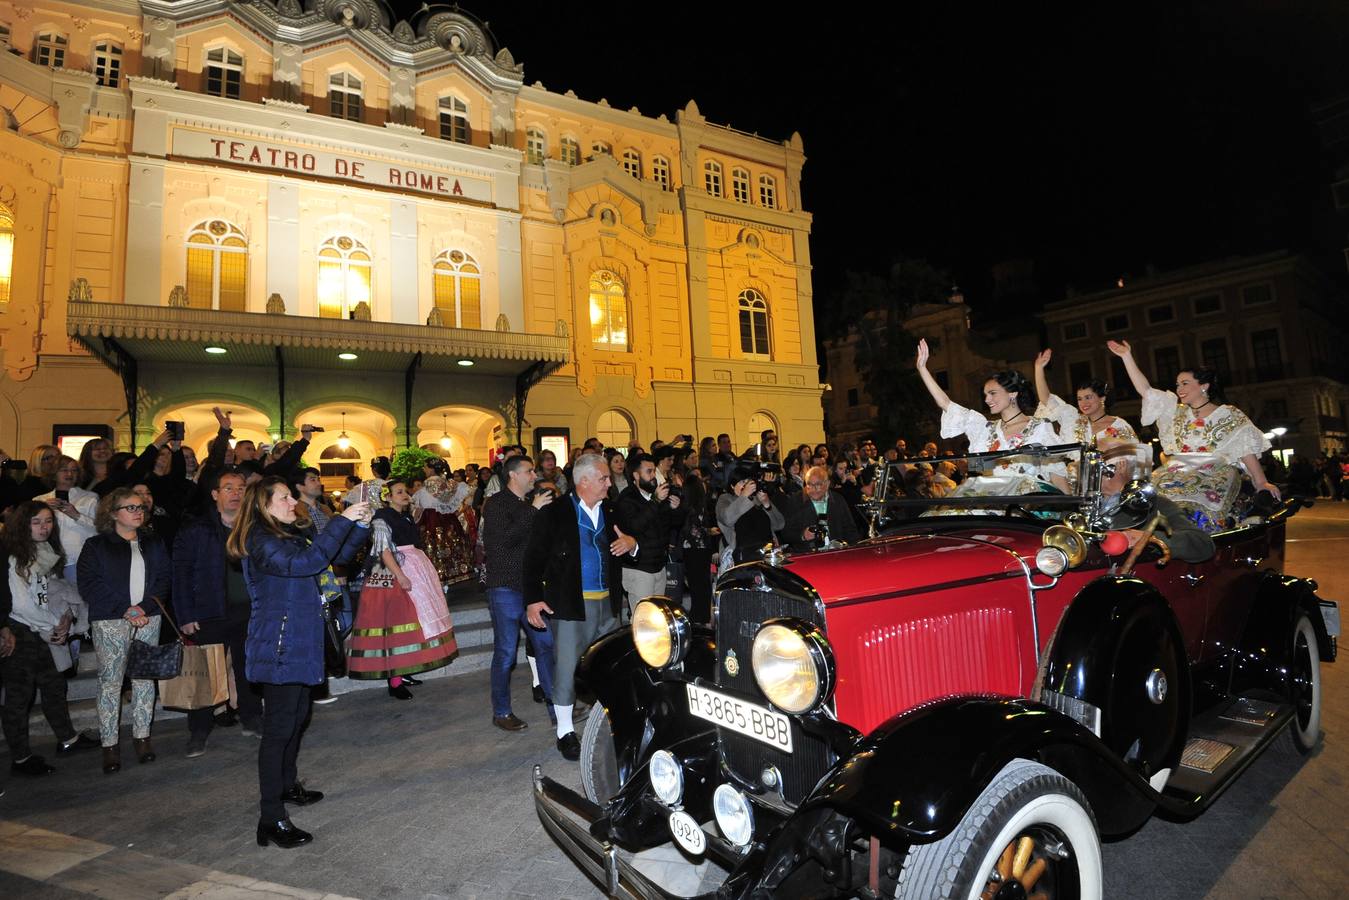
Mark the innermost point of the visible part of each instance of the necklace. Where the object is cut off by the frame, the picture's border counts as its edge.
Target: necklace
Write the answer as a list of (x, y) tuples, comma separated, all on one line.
[(1098, 418), (1006, 422), (1195, 409)]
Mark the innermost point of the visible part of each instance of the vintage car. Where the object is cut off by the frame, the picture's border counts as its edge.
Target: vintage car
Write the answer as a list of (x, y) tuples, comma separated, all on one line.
[(961, 705)]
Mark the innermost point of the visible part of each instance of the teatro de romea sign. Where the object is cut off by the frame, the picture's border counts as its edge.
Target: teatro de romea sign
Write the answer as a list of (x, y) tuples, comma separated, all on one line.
[(357, 170)]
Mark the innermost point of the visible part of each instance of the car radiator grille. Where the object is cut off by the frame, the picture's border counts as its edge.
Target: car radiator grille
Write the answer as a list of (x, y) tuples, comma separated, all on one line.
[(739, 615)]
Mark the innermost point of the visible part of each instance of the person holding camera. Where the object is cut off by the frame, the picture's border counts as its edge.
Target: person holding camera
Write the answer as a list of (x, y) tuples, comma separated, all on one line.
[(747, 516), (648, 512), (819, 516)]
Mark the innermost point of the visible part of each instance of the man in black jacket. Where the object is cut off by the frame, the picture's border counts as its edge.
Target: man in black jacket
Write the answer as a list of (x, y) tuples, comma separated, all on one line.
[(571, 574), (817, 505), (647, 512)]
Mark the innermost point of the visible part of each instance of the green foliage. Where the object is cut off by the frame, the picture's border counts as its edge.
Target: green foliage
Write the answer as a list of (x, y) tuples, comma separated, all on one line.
[(409, 462)]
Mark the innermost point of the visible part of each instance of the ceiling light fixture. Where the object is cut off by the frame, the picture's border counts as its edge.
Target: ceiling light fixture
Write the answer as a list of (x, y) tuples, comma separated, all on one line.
[(348, 356), (444, 433), (343, 441), (216, 351), (466, 362)]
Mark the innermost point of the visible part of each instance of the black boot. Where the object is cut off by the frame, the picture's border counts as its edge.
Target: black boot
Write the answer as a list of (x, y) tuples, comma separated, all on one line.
[(282, 833)]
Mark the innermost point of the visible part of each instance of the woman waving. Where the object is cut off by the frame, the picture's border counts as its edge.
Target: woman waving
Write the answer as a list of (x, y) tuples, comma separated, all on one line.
[(1088, 422)]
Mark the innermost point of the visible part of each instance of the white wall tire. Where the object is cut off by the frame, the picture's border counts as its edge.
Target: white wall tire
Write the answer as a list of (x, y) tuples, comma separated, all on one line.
[(1025, 799), (1306, 687), (599, 761)]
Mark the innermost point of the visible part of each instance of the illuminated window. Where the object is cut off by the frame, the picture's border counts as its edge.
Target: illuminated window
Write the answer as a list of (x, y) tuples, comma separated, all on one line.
[(50, 49), (344, 96), (454, 120), (571, 151), (660, 172), (740, 185), (608, 311), (224, 73), (712, 178), (632, 163), (614, 429), (600, 148), (768, 192), (758, 424), (536, 146), (217, 264), (108, 63), (458, 288), (6, 251), (344, 277), (753, 323)]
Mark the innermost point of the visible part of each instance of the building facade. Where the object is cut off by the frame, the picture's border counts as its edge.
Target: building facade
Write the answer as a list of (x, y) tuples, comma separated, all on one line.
[(1271, 326), (313, 211)]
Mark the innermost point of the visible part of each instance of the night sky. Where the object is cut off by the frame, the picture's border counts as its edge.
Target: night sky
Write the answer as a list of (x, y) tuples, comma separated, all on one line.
[(1093, 141)]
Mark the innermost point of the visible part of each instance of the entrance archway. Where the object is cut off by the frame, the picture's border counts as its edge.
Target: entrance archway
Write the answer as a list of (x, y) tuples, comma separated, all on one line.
[(200, 427), (352, 435), (470, 432)]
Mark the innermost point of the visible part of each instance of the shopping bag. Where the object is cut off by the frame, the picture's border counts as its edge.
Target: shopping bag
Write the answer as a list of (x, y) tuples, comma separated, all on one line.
[(203, 681)]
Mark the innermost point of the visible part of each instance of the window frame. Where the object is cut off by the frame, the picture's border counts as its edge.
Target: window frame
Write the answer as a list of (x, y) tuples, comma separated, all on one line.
[(660, 173), (601, 148), (605, 323), (536, 145), (628, 421), (632, 162), (1159, 374), (712, 178), (1194, 304), (106, 57), (346, 91), (453, 119), (745, 308), (1064, 330), (1105, 322), (346, 264), (740, 184), (1246, 290), (8, 236), (230, 69), (768, 192), (1170, 313), (1225, 372), (217, 248), (1267, 374), (571, 150), (49, 48), (445, 261)]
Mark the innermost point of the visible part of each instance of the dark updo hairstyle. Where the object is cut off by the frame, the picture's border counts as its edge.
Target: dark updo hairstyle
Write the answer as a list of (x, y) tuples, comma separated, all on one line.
[(1013, 382), (1095, 385), (1205, 375)]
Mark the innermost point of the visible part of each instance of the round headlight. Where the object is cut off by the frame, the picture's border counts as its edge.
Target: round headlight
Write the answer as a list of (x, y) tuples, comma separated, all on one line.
[(734, 816), (792, 666), (661, 632), (667, 778), (1051, 560)]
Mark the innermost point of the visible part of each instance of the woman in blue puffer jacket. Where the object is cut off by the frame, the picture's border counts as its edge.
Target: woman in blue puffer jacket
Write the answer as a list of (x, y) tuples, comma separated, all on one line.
[(287, 576)]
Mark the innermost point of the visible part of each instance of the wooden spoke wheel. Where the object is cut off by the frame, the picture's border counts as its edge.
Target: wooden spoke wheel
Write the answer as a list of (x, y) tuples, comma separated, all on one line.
[(1029, 868)]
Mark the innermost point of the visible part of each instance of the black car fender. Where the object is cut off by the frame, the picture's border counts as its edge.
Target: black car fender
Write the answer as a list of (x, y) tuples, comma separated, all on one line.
[(912, 780), (1266, 647)]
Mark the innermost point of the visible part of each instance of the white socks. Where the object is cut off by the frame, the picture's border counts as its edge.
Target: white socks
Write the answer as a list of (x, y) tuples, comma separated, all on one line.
[(564, 726), (533, 671)]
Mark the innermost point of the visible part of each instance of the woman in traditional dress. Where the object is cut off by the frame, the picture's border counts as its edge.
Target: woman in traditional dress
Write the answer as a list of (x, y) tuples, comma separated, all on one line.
[(437, 514), (1088, 422), (403, 626), (1010, 402), (1207, 443)]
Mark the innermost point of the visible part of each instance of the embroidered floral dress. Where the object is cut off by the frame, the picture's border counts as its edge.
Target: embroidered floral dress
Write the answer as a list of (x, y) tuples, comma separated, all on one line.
[(1202, 473), (1012, 475), (1077, 428)]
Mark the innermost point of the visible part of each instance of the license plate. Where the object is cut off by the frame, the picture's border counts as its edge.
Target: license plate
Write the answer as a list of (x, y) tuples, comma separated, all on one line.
[(749, 719), (687, 833)]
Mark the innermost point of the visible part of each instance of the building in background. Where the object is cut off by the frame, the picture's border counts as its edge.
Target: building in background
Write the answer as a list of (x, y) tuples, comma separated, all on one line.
[(316, 212), (1272, 327)]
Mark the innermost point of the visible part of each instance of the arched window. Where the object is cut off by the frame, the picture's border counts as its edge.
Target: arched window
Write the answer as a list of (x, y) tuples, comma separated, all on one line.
[(740, 185), (600, 148), (454, 120), (768, 192), (50, 49), (217, 266), (344, 277), (753, 323), (571, 151), (758, 424), (536, 146), (614, 429), (712, 177), (458, 288), (224, 72), (108, 63), (6, 252), (660, 172), (344, 96), (632, 163), (608, 311)]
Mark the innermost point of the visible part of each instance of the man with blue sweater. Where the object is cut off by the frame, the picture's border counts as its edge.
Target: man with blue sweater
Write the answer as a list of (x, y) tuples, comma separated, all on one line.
[(573, 576)]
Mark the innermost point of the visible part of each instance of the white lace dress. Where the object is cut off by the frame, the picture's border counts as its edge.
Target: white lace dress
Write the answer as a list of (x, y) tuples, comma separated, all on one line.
[(1010, 476), (1077, 428), (1202, 473)]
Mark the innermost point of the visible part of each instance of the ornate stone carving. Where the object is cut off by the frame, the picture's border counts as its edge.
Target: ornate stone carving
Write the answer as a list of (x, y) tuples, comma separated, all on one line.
[(361, 312), (290, 9), (435, 318), (403, 33), (178, 296), (503, 323), (275, 305), (505, 59), (68, 138), (80, 290), (560, 330)]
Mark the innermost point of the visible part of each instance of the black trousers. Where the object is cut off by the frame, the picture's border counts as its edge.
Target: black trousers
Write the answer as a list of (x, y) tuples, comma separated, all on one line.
[(286, 712), (698, 575), (231, 630), (27, 670)]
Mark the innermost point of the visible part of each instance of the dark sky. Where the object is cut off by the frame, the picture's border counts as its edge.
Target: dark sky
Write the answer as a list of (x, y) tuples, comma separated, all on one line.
[(1092, 139)]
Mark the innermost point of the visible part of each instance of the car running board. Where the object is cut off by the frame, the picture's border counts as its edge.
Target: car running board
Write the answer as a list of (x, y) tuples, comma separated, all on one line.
[(1223, 742)]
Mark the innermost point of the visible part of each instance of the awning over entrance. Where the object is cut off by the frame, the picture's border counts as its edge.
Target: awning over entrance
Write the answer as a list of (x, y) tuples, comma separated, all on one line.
[(134, 340)]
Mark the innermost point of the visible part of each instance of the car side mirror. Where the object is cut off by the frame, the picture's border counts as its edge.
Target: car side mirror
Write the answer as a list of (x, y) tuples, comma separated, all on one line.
[(1136, 504)]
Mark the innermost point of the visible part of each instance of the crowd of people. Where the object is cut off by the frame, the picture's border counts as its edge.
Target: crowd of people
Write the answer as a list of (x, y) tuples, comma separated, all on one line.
[(246, 549)]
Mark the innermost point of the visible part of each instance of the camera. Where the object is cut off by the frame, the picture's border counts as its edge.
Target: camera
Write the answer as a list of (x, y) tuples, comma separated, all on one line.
[(14, 465), (175, 430), (675, 490)]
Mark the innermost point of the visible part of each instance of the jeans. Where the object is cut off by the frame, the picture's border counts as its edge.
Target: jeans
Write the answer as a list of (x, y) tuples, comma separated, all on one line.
[(507, 606), (286, 709)]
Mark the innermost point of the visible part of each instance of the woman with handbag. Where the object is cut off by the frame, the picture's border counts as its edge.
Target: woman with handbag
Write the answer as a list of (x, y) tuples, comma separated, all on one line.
[(122, 575), (288, 576)]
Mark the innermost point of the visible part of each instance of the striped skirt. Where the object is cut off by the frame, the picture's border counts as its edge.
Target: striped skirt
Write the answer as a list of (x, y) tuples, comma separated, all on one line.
[(388, 637)]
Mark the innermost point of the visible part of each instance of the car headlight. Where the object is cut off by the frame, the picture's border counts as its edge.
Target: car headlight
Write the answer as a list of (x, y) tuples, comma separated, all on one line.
[(792, 665), (1051, 561), (667, 778), (733, 814), (661, 632)]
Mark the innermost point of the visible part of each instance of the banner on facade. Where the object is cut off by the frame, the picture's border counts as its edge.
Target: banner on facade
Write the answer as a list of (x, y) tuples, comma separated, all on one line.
[(354, 169)]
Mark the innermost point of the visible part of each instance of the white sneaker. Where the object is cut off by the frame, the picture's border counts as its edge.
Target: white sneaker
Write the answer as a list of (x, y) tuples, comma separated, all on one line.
[(324, 701)]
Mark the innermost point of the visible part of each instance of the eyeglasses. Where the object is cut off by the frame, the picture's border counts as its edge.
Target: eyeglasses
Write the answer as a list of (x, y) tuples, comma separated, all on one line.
[(129, 507), (817, 484)]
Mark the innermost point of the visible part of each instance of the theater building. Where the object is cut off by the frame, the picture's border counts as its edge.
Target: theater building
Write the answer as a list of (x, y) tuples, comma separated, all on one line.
[(312, 211)]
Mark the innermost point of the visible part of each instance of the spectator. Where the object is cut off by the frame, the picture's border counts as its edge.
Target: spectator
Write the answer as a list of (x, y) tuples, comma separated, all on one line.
[(284, 571), (123, 574), (793, 480), (618, 473), (41, 470), (747, 518), (496, 482), (508, 521), (698, 540), (244, 451), (77, 509), (820, 515), (94, 458), (646, 511), (548, 471), (723, 462), (380, 469), (34, 625)]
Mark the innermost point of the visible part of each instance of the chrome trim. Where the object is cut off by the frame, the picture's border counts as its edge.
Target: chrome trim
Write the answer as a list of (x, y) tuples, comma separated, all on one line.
[(677, 623), (821, 655)]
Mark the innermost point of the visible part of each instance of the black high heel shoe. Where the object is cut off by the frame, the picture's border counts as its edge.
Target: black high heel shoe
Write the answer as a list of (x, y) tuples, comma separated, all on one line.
[(410, 681), (282, 833), (400, 692)]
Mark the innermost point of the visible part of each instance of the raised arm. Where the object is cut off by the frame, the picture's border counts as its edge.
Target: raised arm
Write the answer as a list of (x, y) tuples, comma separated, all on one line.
[(1126, 353), (1042, 390), (929, 382)]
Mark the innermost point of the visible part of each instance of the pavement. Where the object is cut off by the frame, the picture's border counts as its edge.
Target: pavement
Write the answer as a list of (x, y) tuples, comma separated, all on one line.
[(426, 800)]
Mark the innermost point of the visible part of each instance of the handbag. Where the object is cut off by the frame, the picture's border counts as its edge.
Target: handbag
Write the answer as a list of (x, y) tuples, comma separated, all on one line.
[(155, 661), (334, 652)]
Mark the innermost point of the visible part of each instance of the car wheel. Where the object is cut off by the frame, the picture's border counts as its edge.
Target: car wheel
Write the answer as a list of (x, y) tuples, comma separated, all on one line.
[(1306, 686), (1030, 834), (599, 762)]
